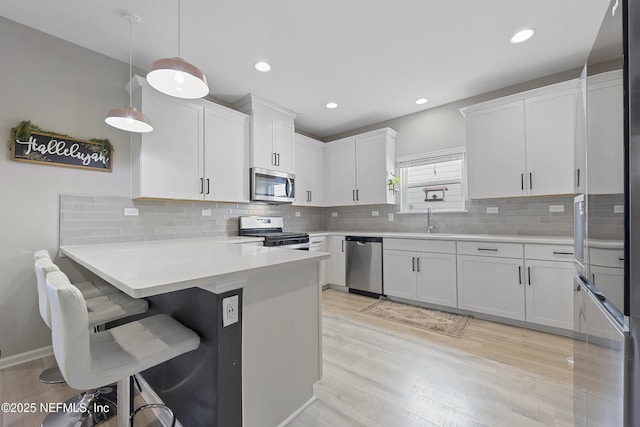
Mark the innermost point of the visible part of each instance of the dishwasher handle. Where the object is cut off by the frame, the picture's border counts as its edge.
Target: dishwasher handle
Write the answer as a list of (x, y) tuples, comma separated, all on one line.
[(361, 240)]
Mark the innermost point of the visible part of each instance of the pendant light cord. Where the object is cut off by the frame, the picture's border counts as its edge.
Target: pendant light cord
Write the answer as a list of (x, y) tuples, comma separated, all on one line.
[(179, 19), (130, 58)]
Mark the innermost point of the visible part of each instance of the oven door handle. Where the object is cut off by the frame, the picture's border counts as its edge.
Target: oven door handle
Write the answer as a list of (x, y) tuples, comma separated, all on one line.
[(298, 246)]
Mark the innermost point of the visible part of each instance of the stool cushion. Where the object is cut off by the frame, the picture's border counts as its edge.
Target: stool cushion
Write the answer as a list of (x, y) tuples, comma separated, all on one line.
[(108, 308), (44, 266), (94, 360)]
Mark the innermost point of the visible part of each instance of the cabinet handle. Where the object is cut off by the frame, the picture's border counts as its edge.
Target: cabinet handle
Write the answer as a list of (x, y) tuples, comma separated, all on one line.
[(342, 245), (277, 159), (529, 275), (578, 178), (208, 187), (620, 259), (488, 249), (593, 278), (353, 195), (201, 185), (357, 195), (519, 275), (310, 196), (562, 253), (413, 263), (273, 159), (530, 180), (418, 263), (522, 181)]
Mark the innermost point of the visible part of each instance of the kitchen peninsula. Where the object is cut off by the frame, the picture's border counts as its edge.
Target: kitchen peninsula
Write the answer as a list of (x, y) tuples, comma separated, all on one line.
[(189, 279)]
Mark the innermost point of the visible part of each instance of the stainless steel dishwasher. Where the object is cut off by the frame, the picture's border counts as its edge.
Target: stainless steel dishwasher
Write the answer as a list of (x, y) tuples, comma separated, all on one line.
[(364, 264)]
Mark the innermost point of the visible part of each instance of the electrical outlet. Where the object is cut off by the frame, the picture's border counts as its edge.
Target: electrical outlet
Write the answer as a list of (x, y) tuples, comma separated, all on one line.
[(556, 208), (229, 311), (375, 213), (618, 209), (390, 217), (492, 210), (334, 214), (297, 214), (206, 212), (130, 211)]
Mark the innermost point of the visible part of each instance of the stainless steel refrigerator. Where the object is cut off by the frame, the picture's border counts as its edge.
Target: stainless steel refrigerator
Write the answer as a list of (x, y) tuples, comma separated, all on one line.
[(607, 225)]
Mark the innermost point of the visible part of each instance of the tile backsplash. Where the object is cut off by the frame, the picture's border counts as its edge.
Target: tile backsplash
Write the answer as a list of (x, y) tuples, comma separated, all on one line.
[(100, 219)]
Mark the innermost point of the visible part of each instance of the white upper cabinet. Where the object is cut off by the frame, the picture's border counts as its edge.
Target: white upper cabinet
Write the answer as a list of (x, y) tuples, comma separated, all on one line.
[(358, 167), (309, 171), (272, 134), (605, 138), (522, 145), (197, 150)]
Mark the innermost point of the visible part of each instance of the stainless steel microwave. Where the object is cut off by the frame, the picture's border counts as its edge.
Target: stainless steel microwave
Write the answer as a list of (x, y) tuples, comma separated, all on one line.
[(272, 186)]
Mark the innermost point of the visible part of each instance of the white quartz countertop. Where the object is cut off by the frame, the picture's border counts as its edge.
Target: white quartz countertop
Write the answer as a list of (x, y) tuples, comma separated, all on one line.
[(147, 268), (554, 240)]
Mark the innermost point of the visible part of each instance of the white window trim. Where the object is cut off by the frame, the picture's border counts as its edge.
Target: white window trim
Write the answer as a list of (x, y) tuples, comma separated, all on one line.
[(405, 160)]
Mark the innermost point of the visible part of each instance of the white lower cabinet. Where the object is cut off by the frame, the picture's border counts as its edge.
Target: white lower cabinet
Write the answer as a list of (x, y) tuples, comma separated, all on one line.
[(549, 293), (336, 268), (491, 285), (319, 244), (421, 270)]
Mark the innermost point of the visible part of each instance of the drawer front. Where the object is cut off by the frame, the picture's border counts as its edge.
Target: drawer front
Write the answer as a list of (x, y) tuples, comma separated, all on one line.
[(317, 240), (502, 250), (420, 245), (549, 252), (606, 257)]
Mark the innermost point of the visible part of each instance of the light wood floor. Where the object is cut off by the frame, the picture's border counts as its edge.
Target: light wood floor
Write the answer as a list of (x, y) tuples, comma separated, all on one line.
[(381, 373)]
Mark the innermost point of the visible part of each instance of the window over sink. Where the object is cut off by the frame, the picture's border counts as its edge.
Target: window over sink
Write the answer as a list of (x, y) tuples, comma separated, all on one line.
[(435, 179)]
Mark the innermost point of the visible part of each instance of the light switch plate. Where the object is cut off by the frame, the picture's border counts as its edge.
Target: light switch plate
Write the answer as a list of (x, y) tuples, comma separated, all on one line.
[(618, 209), (297, 214), (130, 211), (556, 208), (229, 311), (375, 213), (391, 217), (334, 214), (492, 209), (206, 212)]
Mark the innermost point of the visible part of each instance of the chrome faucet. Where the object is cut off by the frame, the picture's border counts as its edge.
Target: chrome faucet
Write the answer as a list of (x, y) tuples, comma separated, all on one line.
[(430, 227)]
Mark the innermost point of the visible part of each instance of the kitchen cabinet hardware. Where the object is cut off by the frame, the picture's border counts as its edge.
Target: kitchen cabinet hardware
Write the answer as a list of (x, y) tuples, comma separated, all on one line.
[(578, 177), (208, 186), (413, 263), (277, 159), (418, 263), (620, 259), (273, 159), (353, 195), (562, 253), (522, 181), (310, 196), (201, 185), (529, 275), (519, 275), (342, 245), (488, 249), (530, 180), (357, 195), (593, 278)]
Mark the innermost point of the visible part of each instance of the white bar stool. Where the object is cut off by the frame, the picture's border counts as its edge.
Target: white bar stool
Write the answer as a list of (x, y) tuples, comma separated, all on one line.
[(94, 360), (100, 310)]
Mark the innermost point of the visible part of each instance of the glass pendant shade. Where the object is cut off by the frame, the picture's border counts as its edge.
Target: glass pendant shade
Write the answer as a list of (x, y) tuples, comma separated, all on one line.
[(178, 78), (128, 119)]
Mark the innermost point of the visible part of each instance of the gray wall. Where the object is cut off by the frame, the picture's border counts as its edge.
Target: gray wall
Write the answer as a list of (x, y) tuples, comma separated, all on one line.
[(63, 88)]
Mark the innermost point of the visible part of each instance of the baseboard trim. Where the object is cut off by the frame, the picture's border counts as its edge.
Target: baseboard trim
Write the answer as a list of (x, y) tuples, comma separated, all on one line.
[(27, 356), (150, 396), (298, 412)]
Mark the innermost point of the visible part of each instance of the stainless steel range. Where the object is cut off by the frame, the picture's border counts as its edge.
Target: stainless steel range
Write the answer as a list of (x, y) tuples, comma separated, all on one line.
[(270, 227)]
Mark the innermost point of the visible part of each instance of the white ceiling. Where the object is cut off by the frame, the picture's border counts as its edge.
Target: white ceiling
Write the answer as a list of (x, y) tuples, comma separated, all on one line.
[(372, 57)]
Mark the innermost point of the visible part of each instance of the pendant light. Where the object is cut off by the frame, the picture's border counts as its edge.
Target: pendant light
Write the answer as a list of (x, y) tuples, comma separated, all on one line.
[(176, 77), (129, 118)]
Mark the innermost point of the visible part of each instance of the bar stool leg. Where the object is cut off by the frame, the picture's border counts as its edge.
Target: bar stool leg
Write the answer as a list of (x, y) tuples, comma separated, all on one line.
[(124, 401), (51, 375), (88, 409)]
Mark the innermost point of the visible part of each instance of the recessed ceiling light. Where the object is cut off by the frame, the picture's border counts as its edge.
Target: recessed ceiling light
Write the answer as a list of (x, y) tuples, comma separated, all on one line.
[(332, 105), (522, 35), (421, 101), (262, 67)]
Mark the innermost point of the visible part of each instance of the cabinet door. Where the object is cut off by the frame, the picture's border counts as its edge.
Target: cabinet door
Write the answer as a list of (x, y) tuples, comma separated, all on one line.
[(437, 278), (301, 172), (371, 170), (262, 149), (284, 143), (226, 153), (549, 293), (169, 161), (399, 274), (550, 124), (315, 176), (496, 151), (340, 180), (337, 265), (491, 286)]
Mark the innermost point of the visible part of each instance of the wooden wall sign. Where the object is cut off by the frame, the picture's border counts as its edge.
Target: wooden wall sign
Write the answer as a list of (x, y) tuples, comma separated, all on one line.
[(58, 150)]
